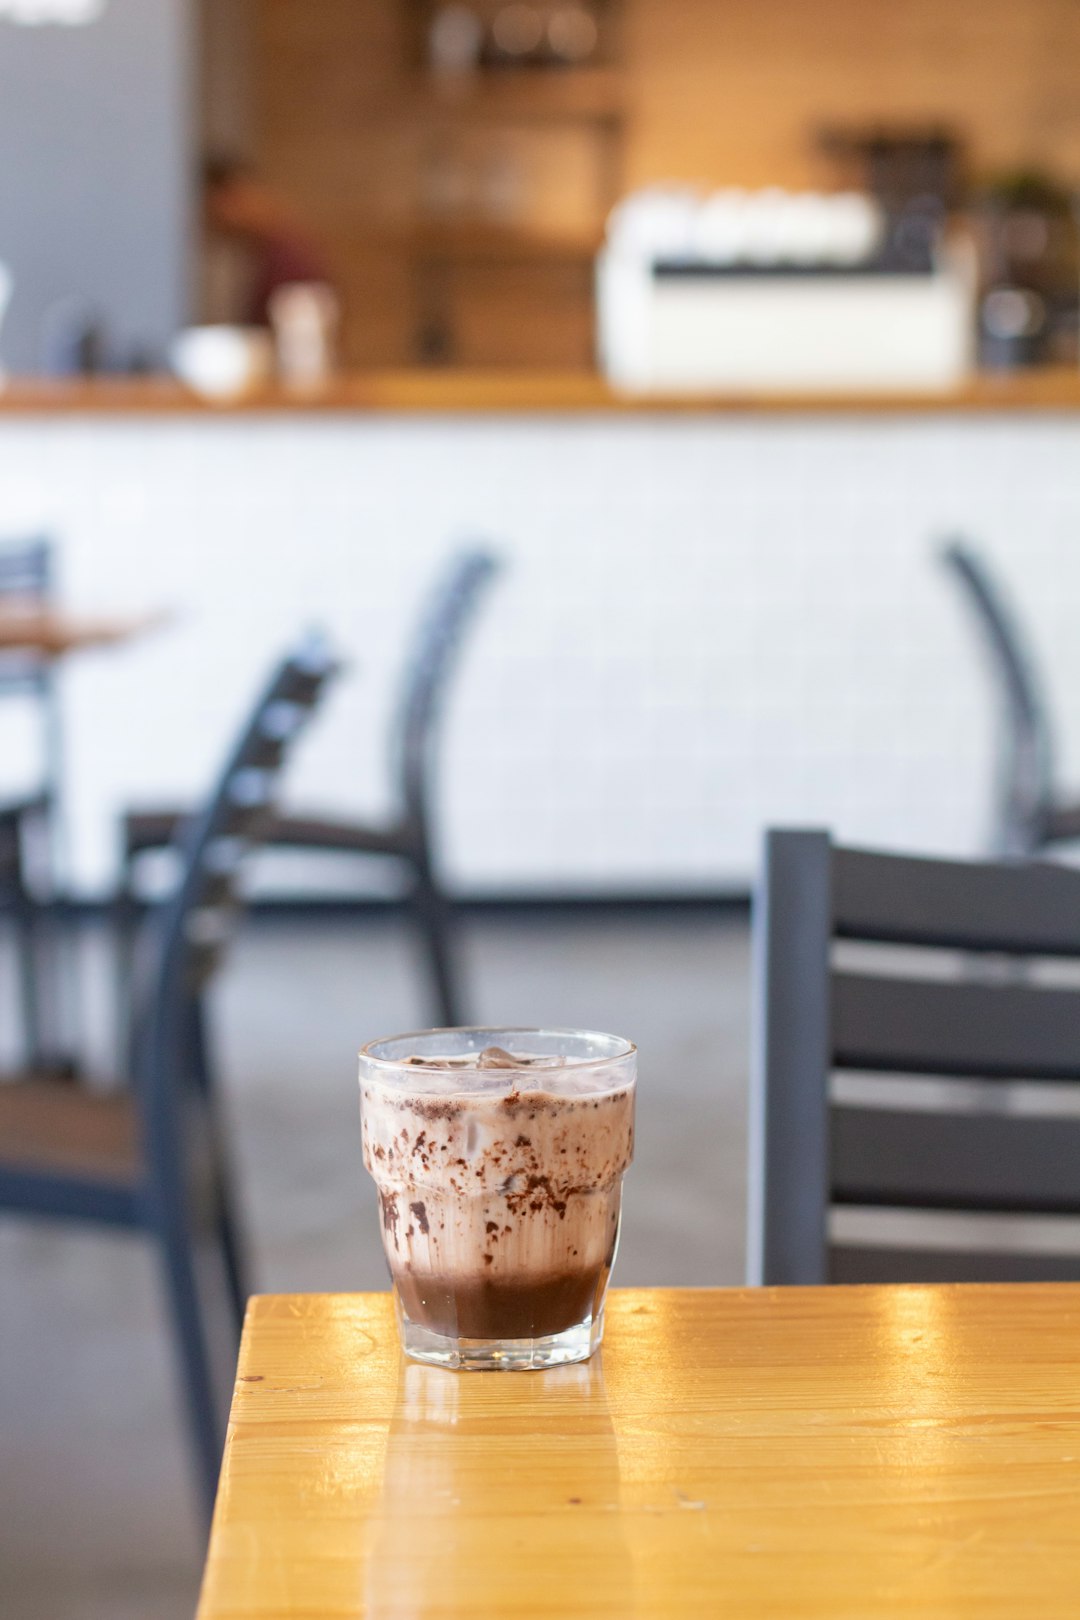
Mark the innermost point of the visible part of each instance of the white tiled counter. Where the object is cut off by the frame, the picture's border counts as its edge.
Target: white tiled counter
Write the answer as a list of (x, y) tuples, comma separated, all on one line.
[(706, 622)]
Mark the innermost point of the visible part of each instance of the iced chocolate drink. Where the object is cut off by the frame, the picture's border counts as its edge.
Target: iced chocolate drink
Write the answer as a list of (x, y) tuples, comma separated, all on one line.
[(499, 1156)]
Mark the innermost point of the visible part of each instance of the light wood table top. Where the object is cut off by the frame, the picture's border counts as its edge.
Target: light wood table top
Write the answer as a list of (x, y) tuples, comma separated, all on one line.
[(843, 1453), (53, 634)]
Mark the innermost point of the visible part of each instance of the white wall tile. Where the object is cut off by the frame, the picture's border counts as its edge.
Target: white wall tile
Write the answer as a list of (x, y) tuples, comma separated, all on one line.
[(704, 623)]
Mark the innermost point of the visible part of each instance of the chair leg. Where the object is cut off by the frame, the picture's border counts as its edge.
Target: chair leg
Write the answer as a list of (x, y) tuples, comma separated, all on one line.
[(434, 920), (125, 929), (227, 1227), (189, 1328), (26, 943), (232, 1255), (46, 962)]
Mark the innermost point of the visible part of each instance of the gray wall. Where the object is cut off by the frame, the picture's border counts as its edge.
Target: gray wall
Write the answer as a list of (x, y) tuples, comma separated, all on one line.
[(94, 166)]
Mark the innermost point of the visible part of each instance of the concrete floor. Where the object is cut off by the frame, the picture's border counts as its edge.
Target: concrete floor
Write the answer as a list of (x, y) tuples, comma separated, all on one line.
[(96, 1512)]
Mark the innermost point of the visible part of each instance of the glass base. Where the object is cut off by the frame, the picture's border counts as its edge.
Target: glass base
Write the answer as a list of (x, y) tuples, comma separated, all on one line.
[(575, 1343)]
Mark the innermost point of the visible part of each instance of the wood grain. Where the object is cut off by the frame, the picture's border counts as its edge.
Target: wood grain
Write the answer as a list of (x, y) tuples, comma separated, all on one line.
[(525, 391), (735, 94), (794, 1453), (732, 94), (347, 125)]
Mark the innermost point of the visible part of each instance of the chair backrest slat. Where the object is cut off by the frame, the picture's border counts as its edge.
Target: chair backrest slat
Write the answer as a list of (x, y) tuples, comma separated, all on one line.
[(963, 905), (855, 1263), (27, 575), (981, 1162), (810, 1153), (195, 923), (26, 569), (914, 1026)]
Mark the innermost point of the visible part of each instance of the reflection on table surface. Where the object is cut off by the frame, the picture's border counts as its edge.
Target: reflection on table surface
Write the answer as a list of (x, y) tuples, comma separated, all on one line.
[(480, 1514)]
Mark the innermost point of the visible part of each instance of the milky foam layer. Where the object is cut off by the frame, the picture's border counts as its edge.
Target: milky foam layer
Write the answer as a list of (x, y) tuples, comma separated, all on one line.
[(506, 1177)]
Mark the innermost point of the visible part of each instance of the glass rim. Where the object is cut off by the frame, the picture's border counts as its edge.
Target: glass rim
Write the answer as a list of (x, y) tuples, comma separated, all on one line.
[(621, 1047)]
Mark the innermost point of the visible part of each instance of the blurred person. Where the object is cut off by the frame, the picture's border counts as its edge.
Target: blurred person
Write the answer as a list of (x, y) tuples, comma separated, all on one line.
[(244, 211)]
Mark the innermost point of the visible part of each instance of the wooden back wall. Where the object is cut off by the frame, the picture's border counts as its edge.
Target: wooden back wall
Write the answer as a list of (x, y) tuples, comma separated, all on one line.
[(724, 92)]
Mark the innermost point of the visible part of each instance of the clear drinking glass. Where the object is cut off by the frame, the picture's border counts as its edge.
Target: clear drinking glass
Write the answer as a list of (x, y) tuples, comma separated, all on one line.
[(499, 1156)]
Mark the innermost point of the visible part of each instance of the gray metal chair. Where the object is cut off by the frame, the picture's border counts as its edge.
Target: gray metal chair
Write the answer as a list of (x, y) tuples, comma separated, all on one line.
[(30, 824), (152, 1157), (1029, 814), (810, 1154), (20, 821), (407, 839)]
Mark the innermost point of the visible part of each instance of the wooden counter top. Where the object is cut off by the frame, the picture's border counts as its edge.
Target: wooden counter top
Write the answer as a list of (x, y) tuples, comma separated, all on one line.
[(525, 392)]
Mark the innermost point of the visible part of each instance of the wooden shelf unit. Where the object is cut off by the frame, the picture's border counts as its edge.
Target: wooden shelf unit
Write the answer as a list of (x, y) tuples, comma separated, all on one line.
[(419, 16), (478, 241), (530, 267), (459, 213), (522, 96)]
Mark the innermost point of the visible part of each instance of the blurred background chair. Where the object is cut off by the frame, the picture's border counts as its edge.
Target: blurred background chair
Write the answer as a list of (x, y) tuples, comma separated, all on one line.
[(152, 1156), (20, 820), (409, 836), (811, 1155), (1029, 815), (30, 825)]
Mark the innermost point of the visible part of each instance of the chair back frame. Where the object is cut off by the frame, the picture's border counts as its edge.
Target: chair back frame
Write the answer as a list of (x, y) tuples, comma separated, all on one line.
[(438, 640), (1024, 787), (810, 1153)]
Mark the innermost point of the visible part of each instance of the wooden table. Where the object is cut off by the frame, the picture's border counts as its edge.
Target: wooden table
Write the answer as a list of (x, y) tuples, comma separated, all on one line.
[(844, 1453), (52, 634)]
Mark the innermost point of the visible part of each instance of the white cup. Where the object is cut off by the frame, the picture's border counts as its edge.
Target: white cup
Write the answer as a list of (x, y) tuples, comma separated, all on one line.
[(223, 362), (720, 231), (855, 229), (305, 316)]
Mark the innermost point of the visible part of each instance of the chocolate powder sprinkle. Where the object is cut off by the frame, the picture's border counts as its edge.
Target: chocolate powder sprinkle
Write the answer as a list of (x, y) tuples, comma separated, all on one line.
[(390, 1213), (433, 1108)]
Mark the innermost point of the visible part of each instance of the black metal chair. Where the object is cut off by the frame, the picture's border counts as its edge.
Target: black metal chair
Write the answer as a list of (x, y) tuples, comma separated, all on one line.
[(407, 838), (30, 824), (152, 1157), (1029, 815), (811, 1154)]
